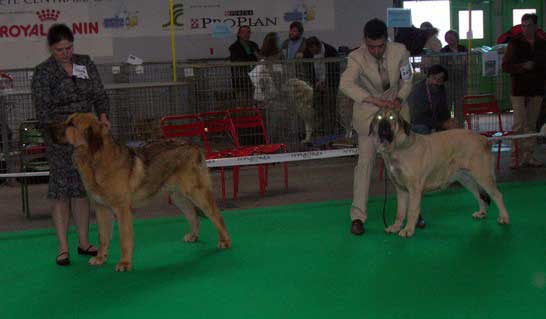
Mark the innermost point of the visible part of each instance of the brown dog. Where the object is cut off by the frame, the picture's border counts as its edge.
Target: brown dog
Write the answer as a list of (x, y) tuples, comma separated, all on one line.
[(118, 178), (421, 163)]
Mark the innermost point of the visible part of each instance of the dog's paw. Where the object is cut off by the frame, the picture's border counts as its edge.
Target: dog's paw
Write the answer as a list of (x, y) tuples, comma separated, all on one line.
[(393, 229), (124, 266), (190, 238), (97, 261), (406, 232), (479, 215), (224, 244), (503, 220)]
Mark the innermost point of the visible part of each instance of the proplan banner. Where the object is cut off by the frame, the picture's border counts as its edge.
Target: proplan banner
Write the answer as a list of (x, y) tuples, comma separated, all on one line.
[(30, 19), (200, 17)]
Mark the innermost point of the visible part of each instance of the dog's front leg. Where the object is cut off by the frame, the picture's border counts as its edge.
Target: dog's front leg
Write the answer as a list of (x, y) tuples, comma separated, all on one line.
[(401, 208), (125, 221), (414, 209), (104, 224)]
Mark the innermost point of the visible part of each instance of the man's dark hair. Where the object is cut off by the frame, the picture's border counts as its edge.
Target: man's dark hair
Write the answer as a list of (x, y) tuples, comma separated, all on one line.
[(59, 32), (375, 29), (298, 25), (530, 16), (453, 32), (436, 69), (242, 27), (426, 25), (312, 42)]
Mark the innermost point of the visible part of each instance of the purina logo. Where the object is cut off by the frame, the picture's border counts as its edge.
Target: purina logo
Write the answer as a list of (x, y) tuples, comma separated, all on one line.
[(46, 14)]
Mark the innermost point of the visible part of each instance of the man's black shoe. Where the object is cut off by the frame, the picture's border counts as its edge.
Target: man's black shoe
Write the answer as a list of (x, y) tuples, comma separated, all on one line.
[(357, 227)]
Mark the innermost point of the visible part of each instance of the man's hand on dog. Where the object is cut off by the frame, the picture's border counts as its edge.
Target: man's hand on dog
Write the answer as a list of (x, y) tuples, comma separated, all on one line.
[(385, 104), (396, 104)]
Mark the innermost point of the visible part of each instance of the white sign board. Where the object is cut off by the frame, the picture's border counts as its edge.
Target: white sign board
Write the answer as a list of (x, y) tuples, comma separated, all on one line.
[(398, 18), (95, 23)]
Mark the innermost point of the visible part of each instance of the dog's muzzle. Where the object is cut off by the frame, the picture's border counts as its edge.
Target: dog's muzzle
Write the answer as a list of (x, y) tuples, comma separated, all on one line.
[(384, 131)]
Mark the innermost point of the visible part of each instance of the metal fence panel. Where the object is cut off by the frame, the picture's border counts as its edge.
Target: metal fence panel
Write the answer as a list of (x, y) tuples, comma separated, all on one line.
[(301, 102)]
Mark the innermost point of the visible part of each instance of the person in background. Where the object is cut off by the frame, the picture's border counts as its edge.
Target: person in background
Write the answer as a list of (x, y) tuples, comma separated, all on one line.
[(243, 50), (453, 46), (63, 84), (525, 61), (324, 79), (269, 84), (270, 47), (516, 30), (427, 102), (294, 46), (457, 68), (433, 43), (378, 75)]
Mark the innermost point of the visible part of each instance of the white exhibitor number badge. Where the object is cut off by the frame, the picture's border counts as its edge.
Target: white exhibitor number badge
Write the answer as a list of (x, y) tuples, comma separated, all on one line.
[(80, 71), (405, 72)]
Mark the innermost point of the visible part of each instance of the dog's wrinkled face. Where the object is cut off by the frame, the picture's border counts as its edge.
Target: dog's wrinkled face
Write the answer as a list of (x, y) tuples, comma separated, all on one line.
[(387, 125), (79, 129)]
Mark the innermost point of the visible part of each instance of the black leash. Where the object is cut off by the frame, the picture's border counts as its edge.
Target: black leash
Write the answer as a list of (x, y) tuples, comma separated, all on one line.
[(385, 194)]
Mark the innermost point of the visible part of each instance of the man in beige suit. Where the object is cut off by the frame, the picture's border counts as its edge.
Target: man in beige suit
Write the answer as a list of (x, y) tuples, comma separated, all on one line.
[(378, 75)]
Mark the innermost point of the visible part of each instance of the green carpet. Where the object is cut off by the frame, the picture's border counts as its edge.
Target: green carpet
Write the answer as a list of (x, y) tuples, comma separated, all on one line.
[(298, 261)]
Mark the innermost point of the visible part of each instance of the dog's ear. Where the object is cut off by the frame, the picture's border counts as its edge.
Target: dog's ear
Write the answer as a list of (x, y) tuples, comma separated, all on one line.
[(94, 140), (405, 125)]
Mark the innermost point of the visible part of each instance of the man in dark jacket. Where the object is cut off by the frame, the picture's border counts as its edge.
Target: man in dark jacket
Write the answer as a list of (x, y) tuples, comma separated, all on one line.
[(243, 50), (324, 78), (428, 103), (525, 60)]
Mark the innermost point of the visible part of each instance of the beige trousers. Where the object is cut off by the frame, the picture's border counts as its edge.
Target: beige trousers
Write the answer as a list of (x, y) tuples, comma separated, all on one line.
[(526, 112), (362, 117)]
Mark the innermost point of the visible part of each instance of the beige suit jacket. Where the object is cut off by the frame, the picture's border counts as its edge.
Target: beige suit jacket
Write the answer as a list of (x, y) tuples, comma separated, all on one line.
[(361, 79)]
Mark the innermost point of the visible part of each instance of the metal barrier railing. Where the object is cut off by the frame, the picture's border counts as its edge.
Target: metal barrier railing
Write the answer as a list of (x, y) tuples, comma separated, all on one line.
[(141, 95)]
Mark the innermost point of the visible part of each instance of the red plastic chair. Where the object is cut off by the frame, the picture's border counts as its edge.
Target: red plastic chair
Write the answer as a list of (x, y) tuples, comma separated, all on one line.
[(218, 124), (486, 104), (251, 117), (190, 125)]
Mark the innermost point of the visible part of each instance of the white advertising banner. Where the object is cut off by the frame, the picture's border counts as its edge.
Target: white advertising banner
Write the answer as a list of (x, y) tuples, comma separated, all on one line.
[(97, 23), (30, 19)]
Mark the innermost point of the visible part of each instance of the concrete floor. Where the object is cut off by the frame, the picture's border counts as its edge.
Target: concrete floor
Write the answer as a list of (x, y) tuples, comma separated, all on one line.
[(310, 181)]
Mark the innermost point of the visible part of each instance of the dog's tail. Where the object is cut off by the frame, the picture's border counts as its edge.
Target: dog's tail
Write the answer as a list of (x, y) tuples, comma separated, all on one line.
[(202, 164)]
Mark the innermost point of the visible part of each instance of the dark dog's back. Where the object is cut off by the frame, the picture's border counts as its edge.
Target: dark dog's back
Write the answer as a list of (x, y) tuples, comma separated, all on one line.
[(160, 160)]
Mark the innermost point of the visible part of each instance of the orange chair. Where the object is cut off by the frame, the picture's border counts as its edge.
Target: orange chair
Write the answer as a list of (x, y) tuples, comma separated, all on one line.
[(486, 104), (248, 118)]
